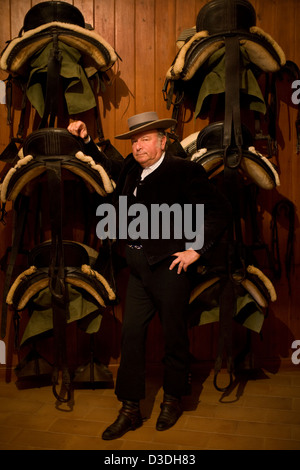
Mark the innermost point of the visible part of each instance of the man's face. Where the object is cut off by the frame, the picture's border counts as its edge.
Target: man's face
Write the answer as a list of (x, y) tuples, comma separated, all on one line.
[(148, 147)]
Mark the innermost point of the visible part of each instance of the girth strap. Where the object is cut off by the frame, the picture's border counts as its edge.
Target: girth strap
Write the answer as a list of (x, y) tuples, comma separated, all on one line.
[(59, 299), (232, 138), (270, 98), (236, 273), (20, 220), (227, 307), (53, 84), (232, 120), (56, 267), (60, 316), (289, 211)]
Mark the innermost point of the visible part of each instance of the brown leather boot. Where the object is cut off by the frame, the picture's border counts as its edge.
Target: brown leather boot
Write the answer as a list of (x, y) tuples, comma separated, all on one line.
[(170, 412), (129, 419)]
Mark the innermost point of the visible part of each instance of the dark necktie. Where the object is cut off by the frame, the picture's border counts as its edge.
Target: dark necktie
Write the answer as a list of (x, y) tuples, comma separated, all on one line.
[(139, 181)]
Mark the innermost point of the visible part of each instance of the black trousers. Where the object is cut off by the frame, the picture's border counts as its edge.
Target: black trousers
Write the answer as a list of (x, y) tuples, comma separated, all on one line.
[(154, 289)]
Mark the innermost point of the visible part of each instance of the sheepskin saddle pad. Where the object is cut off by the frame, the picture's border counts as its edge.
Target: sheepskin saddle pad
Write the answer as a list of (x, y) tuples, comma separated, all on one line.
[(216, 21), (65, 22), (54, 144), (206, 147), (78, 273), (253, 293)]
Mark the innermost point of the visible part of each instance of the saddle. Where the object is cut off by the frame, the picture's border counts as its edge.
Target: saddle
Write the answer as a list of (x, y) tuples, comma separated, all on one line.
[(64, 21), (225, 30), (217, 21), (79, 273), (206, 148), (34, 288), (255, 288), (223, 57), (57, 53), (58, 264), (57, 145), (216, 298), (49, 151), (54, 59)]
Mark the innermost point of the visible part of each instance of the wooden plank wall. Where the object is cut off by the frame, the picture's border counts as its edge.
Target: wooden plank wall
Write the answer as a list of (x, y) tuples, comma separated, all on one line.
[(143, 32)]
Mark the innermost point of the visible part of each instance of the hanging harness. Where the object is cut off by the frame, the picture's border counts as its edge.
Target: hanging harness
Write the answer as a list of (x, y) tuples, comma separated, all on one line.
[(54, 60), (56, 263), (224, 55), (58, 55), (228, 25)]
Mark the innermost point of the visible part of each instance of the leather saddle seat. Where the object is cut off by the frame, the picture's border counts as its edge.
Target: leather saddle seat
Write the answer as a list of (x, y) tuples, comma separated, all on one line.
[(216, 21), (53, 145), (64, 21), (253, 294), (55, 152), (32, 289), (77, 270), (206, 147)]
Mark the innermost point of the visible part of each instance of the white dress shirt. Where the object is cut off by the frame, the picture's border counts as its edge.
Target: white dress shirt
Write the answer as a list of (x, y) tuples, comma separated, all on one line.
[(149, 169)]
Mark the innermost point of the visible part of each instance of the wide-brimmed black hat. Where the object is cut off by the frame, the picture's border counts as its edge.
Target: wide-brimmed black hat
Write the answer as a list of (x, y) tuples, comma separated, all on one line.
[(145, 122)]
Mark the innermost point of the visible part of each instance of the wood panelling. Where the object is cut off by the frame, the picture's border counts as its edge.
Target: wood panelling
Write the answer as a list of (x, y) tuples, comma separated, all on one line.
[(144, 32)]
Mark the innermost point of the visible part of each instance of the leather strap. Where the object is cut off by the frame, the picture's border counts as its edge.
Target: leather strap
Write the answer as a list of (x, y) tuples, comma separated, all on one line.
[(232, 138), (251, 193), (20, 219), (53, 84), (56, 267), (232, 120), (287, 207), (227, 308), (57, 285)]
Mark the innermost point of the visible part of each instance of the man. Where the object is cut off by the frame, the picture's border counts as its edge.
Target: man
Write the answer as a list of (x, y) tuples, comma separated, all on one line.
[(159, 278)]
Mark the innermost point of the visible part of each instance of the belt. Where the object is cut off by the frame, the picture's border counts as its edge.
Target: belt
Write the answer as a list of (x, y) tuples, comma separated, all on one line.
[(135, 247)]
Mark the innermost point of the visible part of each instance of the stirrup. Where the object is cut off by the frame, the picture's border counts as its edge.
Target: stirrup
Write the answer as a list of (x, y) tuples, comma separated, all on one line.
[(65, 383)]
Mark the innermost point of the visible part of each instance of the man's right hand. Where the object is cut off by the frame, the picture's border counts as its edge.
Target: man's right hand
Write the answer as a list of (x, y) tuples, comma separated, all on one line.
[(79, 129)]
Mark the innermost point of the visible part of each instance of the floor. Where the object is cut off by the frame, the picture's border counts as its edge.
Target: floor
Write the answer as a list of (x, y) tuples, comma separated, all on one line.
[(261, 411)]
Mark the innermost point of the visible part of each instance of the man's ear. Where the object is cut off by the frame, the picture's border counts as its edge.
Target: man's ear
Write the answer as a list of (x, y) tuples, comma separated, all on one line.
[(163, 142)]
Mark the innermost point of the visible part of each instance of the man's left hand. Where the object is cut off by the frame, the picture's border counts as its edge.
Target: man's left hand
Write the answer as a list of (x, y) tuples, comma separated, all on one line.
[(184, 259)]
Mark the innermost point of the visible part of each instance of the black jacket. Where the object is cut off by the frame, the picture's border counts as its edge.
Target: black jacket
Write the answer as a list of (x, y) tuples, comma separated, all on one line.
[(175, 181)]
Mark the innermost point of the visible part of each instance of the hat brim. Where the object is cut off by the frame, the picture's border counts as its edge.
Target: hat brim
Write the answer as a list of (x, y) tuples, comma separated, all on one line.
[(159, 124)]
